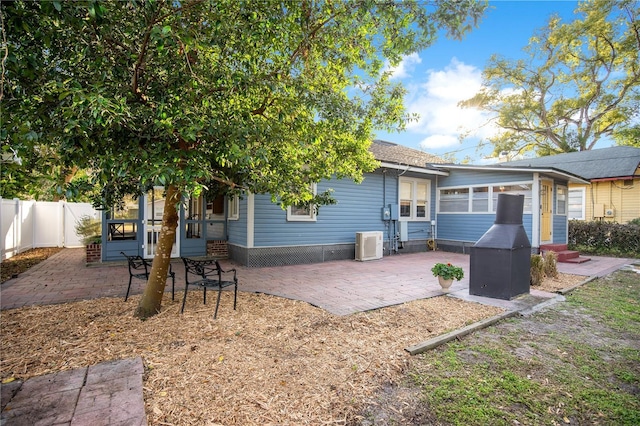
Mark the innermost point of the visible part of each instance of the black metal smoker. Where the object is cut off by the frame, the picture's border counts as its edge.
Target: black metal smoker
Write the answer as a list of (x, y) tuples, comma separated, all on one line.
[(501, 259)]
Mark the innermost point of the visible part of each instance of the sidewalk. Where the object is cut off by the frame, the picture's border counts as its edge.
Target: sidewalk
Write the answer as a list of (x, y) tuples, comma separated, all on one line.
[(111, 393), (105, 394)]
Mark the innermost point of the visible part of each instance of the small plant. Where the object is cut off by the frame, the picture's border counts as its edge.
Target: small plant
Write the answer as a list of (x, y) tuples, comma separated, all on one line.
[(89, 229), (537, 270), (447, 271), (551, 264)]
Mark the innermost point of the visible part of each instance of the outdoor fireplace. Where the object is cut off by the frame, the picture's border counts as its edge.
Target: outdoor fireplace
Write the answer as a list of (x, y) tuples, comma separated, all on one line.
[(501, 259)]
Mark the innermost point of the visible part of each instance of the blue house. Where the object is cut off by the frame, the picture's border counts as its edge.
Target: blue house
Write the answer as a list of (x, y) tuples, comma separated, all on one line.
[(412, 202)]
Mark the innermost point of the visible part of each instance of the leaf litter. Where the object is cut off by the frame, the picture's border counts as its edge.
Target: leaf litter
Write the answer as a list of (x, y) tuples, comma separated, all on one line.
[(272, 361)]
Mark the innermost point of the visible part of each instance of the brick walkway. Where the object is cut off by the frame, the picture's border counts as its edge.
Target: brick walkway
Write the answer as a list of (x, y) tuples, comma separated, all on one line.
[(340, 287)]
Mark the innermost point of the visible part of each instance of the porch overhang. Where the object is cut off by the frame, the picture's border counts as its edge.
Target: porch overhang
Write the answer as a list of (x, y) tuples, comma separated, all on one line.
[(415, 169), (549, 171)]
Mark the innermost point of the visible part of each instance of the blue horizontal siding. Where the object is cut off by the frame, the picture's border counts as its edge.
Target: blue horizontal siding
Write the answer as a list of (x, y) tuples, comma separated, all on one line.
[(560, 224), (358, 209), (237, 229), (477, 177), (471, 227)]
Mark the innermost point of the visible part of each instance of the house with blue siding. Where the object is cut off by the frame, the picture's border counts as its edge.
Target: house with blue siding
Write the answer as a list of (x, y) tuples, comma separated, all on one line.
[(467, 199), (412, 202)]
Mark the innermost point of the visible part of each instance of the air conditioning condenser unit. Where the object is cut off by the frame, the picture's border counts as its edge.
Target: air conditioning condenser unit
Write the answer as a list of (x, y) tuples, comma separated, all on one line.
[(368, 245)]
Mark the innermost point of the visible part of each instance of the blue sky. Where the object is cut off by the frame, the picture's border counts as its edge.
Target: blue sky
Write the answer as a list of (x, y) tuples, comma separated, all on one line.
[(450, 71)]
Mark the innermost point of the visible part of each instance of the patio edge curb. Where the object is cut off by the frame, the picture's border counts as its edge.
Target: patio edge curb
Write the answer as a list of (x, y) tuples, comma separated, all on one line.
[(447, 337)]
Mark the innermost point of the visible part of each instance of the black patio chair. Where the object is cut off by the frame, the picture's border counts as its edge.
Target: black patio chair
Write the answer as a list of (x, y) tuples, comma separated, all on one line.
[(209, 275), (140, 268)]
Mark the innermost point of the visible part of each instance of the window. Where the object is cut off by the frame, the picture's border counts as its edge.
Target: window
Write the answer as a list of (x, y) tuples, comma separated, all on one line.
[(234, 207), (215, 208), (454, 200), (517, 189), (414, 199), (475, 199), (122, 223), (480, 199), (193, 216), (576, 210), (302, 213), (561, 200), (128, 209)]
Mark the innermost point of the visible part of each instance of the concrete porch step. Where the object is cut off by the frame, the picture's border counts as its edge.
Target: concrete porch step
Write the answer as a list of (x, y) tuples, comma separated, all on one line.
[(553, 247), (564, 255), (575, 259)]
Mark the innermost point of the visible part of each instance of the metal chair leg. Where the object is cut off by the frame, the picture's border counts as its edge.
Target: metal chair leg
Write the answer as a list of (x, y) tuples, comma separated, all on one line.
[(215, 314), (184, 299), (128, 288), (173, 286)]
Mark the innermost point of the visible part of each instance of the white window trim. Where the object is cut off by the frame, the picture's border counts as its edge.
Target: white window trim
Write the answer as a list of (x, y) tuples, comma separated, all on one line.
[(584, 203), (233, 207), (414, 204), (490, 195), (311, 217), (566, 200)]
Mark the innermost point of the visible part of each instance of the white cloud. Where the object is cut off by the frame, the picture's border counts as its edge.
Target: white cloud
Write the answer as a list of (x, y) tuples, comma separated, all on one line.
[(405, 67), (438, 141), (436, 101)]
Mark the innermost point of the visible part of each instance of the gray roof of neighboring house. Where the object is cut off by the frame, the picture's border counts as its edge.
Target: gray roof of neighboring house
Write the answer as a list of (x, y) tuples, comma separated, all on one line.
[(604, 163), (398, 154)]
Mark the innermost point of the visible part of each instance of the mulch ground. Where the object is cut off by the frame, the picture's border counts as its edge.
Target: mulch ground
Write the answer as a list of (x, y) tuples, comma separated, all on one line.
[(272, 361), (12, 267)]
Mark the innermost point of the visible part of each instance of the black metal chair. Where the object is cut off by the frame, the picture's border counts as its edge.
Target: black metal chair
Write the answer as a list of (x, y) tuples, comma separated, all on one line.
[(140, 268), (209, 275)]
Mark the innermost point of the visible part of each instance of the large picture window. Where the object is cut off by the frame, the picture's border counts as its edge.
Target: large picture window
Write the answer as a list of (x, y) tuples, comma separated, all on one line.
[(475, 199), (414, 199)]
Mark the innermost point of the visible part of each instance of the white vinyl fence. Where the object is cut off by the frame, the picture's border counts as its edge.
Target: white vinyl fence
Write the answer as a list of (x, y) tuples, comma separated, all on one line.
[(32, 224)]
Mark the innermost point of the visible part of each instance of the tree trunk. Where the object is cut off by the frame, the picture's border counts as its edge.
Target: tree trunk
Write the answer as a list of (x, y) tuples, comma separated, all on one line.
[(151, 301)]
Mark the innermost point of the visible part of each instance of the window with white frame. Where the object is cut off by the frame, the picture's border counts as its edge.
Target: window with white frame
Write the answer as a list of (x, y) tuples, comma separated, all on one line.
[(454, 200), (480, 199), (302, 213), (475, 199), (414, 199), (561, 200), (576, 204), (233, 207), (514, 189)]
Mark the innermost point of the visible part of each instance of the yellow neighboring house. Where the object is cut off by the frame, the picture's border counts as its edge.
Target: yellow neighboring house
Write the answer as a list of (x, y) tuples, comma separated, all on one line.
[(614, 173)]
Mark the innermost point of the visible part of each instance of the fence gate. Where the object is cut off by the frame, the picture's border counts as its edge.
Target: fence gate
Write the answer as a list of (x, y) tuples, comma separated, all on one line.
[(33, 224)]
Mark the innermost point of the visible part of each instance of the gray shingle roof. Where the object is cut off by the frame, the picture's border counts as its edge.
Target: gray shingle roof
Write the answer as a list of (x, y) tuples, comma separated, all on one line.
[(398, 154), (614, 162)]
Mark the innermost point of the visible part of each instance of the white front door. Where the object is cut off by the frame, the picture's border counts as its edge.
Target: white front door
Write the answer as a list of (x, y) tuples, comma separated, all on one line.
[(153, 211)]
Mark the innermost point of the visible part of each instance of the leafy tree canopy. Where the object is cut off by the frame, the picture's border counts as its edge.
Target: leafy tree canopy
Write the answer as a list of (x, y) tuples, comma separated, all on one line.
[(228, 95), (259, 95), (580, 82)]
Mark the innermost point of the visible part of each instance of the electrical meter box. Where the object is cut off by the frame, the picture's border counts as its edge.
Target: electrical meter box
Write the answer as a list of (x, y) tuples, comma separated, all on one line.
[(386, 213), (394, 211)]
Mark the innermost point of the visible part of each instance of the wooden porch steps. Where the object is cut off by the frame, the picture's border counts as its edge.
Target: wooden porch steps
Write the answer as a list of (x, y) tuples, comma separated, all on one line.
[(564, 255)]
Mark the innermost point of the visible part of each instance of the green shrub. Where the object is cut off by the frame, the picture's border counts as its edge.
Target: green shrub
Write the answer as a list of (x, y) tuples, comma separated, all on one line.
[(89, 229), (635, 221), (551, 264), (537, 270), (605, 238)]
